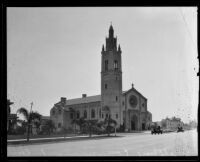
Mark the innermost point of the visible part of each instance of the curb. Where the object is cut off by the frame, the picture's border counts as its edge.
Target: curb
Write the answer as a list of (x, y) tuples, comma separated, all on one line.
[(41, 141)]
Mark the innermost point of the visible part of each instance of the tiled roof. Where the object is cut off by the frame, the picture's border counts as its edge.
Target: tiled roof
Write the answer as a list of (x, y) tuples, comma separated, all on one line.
[(124, 92), (96, 98), (45, 117)]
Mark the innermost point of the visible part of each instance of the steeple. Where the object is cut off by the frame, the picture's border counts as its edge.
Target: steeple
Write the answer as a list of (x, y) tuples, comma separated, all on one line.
[(103, 48), (111, 31), (111, 76), (119, 48), (111, 41)]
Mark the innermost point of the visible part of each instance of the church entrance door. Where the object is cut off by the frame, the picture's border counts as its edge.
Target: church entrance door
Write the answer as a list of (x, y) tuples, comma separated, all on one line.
[(143, 126), (132, 125), (134, 122)]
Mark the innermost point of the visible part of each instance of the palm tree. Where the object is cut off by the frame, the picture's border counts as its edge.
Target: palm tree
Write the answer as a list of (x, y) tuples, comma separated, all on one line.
[(14, 123), (29, 118), (108, 121), (90, 125)]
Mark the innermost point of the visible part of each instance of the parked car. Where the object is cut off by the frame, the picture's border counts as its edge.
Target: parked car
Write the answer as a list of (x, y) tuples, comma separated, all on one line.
[(156, 130), (180, 129), (167, 130)]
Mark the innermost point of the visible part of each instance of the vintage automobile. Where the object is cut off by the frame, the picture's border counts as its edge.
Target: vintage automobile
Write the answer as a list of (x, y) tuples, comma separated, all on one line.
[(156, 130), (180, 129)]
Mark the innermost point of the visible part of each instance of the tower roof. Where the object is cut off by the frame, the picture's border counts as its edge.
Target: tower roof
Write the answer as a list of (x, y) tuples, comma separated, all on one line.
[(111, 31), (111, 27)]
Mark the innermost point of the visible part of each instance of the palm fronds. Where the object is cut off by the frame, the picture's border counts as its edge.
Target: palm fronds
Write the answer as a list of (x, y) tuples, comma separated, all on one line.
[(24, 112)]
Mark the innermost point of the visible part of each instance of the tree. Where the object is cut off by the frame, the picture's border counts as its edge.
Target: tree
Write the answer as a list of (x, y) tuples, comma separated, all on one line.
[(14, 123), (90, 125), (75, 122), (29, 118), (48, 126), (37, 124), (108, 122), (80, 122), (163, 123)]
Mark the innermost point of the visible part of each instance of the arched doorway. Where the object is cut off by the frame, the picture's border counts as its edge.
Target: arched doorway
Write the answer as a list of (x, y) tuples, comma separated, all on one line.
[(134, 123), (143, 126)]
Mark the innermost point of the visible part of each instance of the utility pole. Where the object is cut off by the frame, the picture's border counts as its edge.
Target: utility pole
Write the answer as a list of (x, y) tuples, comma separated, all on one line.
[(31, 106), (90, 131), (29, 122)]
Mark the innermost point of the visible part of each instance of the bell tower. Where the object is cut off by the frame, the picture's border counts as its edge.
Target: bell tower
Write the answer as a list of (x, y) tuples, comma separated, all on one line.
[(111, 77)]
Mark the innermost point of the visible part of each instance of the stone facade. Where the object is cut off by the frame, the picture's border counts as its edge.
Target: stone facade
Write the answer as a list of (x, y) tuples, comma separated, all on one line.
[(128, 108), (172, 123), (111, 77)]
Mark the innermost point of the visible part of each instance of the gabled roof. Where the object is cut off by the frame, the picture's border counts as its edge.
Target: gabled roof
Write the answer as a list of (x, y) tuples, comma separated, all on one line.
[(89, 99), (149, 112), (133, 89)]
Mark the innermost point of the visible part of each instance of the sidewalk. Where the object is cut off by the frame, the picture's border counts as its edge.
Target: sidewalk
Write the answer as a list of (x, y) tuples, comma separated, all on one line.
[(53, 139), (67, 138)]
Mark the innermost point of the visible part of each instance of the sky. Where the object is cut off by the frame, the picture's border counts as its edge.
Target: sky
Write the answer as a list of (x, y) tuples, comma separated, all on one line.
[(55, 52)]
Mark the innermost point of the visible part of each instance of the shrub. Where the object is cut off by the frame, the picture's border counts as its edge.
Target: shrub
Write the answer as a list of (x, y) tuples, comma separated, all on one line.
[(121, 128), (19, 130)]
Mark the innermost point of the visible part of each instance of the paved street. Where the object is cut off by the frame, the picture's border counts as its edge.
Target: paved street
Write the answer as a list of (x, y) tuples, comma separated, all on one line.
[(129, 144)]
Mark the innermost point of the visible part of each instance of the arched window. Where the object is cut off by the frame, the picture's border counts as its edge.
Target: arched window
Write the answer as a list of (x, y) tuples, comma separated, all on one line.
[(116, 98), (59, 125), (115, 64), (60, 112), (78, 115), (106, 65), (85, 114), (93, 113), (116, 116), (123, 103), (106, 86), (99, 113), (53, 112)]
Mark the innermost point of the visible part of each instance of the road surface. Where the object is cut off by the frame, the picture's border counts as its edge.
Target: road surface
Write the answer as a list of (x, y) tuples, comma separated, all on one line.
[(128, 144)]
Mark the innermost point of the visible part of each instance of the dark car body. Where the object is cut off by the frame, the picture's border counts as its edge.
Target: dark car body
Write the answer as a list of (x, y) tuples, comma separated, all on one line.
[(156, 130), (180, 129)]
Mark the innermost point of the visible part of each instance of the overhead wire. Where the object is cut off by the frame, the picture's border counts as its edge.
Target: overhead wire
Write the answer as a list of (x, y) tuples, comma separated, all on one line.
[(187, 28)]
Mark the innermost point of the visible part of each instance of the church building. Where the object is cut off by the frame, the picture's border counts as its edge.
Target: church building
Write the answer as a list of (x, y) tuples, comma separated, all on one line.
[(127, 108)]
